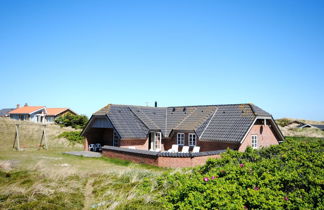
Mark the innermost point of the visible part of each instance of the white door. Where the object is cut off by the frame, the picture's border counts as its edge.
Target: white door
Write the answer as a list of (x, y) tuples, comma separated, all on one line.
[(157, 141)]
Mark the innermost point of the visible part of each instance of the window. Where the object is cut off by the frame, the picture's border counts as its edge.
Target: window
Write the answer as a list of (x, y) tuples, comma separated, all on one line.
[(254, 141), (180, 138), (192, 139)]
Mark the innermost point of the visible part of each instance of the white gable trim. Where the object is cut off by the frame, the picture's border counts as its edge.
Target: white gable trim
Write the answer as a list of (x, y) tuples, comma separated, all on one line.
[(260, 118), (248, 130)]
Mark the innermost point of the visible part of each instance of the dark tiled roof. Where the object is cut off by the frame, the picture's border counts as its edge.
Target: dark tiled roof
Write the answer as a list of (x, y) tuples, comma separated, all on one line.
[(126, 123), (5, 112), (258, 111), (226, 123), (229, 123), (318, 126)]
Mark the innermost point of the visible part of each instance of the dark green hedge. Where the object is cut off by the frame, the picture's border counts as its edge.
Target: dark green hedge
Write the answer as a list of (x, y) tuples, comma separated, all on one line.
[(73, 137), (290, 175), (74, 121)]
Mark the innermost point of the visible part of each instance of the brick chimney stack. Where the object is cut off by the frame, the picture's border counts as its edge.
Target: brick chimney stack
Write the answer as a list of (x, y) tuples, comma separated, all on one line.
[(18, 106), (25, 105)]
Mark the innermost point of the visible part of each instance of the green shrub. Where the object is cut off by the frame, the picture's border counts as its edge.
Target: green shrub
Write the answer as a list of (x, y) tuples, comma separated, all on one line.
[(75, 121), (290, 175), (73, 136)]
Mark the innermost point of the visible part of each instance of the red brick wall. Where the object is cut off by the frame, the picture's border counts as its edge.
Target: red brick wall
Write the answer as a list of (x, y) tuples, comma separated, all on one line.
[(141, 144), (167, 143), (172, 162), (137, 158), (173, 140), (265, 135), (212, 146), (204, 145), (169, 162), (86, 145)]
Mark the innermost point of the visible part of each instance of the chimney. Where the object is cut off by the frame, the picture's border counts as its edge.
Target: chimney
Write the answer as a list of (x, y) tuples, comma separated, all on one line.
[(18, 106), (155, 104), (26, 104)]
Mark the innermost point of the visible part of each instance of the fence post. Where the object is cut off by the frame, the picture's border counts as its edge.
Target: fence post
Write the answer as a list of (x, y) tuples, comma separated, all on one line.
[(16, 144), (43, 141)]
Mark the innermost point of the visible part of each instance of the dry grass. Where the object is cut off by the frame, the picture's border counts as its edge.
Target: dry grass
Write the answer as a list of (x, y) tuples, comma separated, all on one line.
[(49, 179), (290, 129), (30, 134), (303, 121), (89, 182)]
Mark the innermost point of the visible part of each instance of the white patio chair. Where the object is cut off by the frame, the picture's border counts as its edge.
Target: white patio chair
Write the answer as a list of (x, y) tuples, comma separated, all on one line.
[(196, 149), (185, 149), (98, 147), (174, 148), (91, 147)]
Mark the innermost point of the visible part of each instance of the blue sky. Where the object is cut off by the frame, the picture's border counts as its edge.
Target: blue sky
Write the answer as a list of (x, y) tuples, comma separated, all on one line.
[(86, 54)]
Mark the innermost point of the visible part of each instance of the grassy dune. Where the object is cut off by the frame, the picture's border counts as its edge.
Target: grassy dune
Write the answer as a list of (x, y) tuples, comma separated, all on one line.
[(30, 134), (40, 179), (290, 130), (50, 179)]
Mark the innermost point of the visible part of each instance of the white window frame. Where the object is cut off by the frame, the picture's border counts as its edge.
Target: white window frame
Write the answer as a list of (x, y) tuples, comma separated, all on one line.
[(180, 138), (157, 142), (192, 139), (254, 141)]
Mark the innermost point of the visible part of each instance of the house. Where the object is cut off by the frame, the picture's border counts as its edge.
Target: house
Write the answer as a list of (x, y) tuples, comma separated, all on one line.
[(306, 125), (39, 114), (29, 113), (314, 126), (149, 131), (5, 112), (299, 124), (53, 113)]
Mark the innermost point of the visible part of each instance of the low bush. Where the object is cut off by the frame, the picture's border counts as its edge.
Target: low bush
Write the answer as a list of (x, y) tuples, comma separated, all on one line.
[(74, 121), (74, 137), (290, 175)]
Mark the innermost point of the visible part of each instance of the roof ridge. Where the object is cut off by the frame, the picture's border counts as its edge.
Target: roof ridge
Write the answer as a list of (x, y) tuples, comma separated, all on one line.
[(252, 109), (210, 105), (202, 133), (145, 116), (127, 105), (153, 107), (138, 118), (185, 118)]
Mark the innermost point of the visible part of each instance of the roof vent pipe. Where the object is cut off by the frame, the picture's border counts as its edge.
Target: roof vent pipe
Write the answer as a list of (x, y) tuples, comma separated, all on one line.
[(155, 104)]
